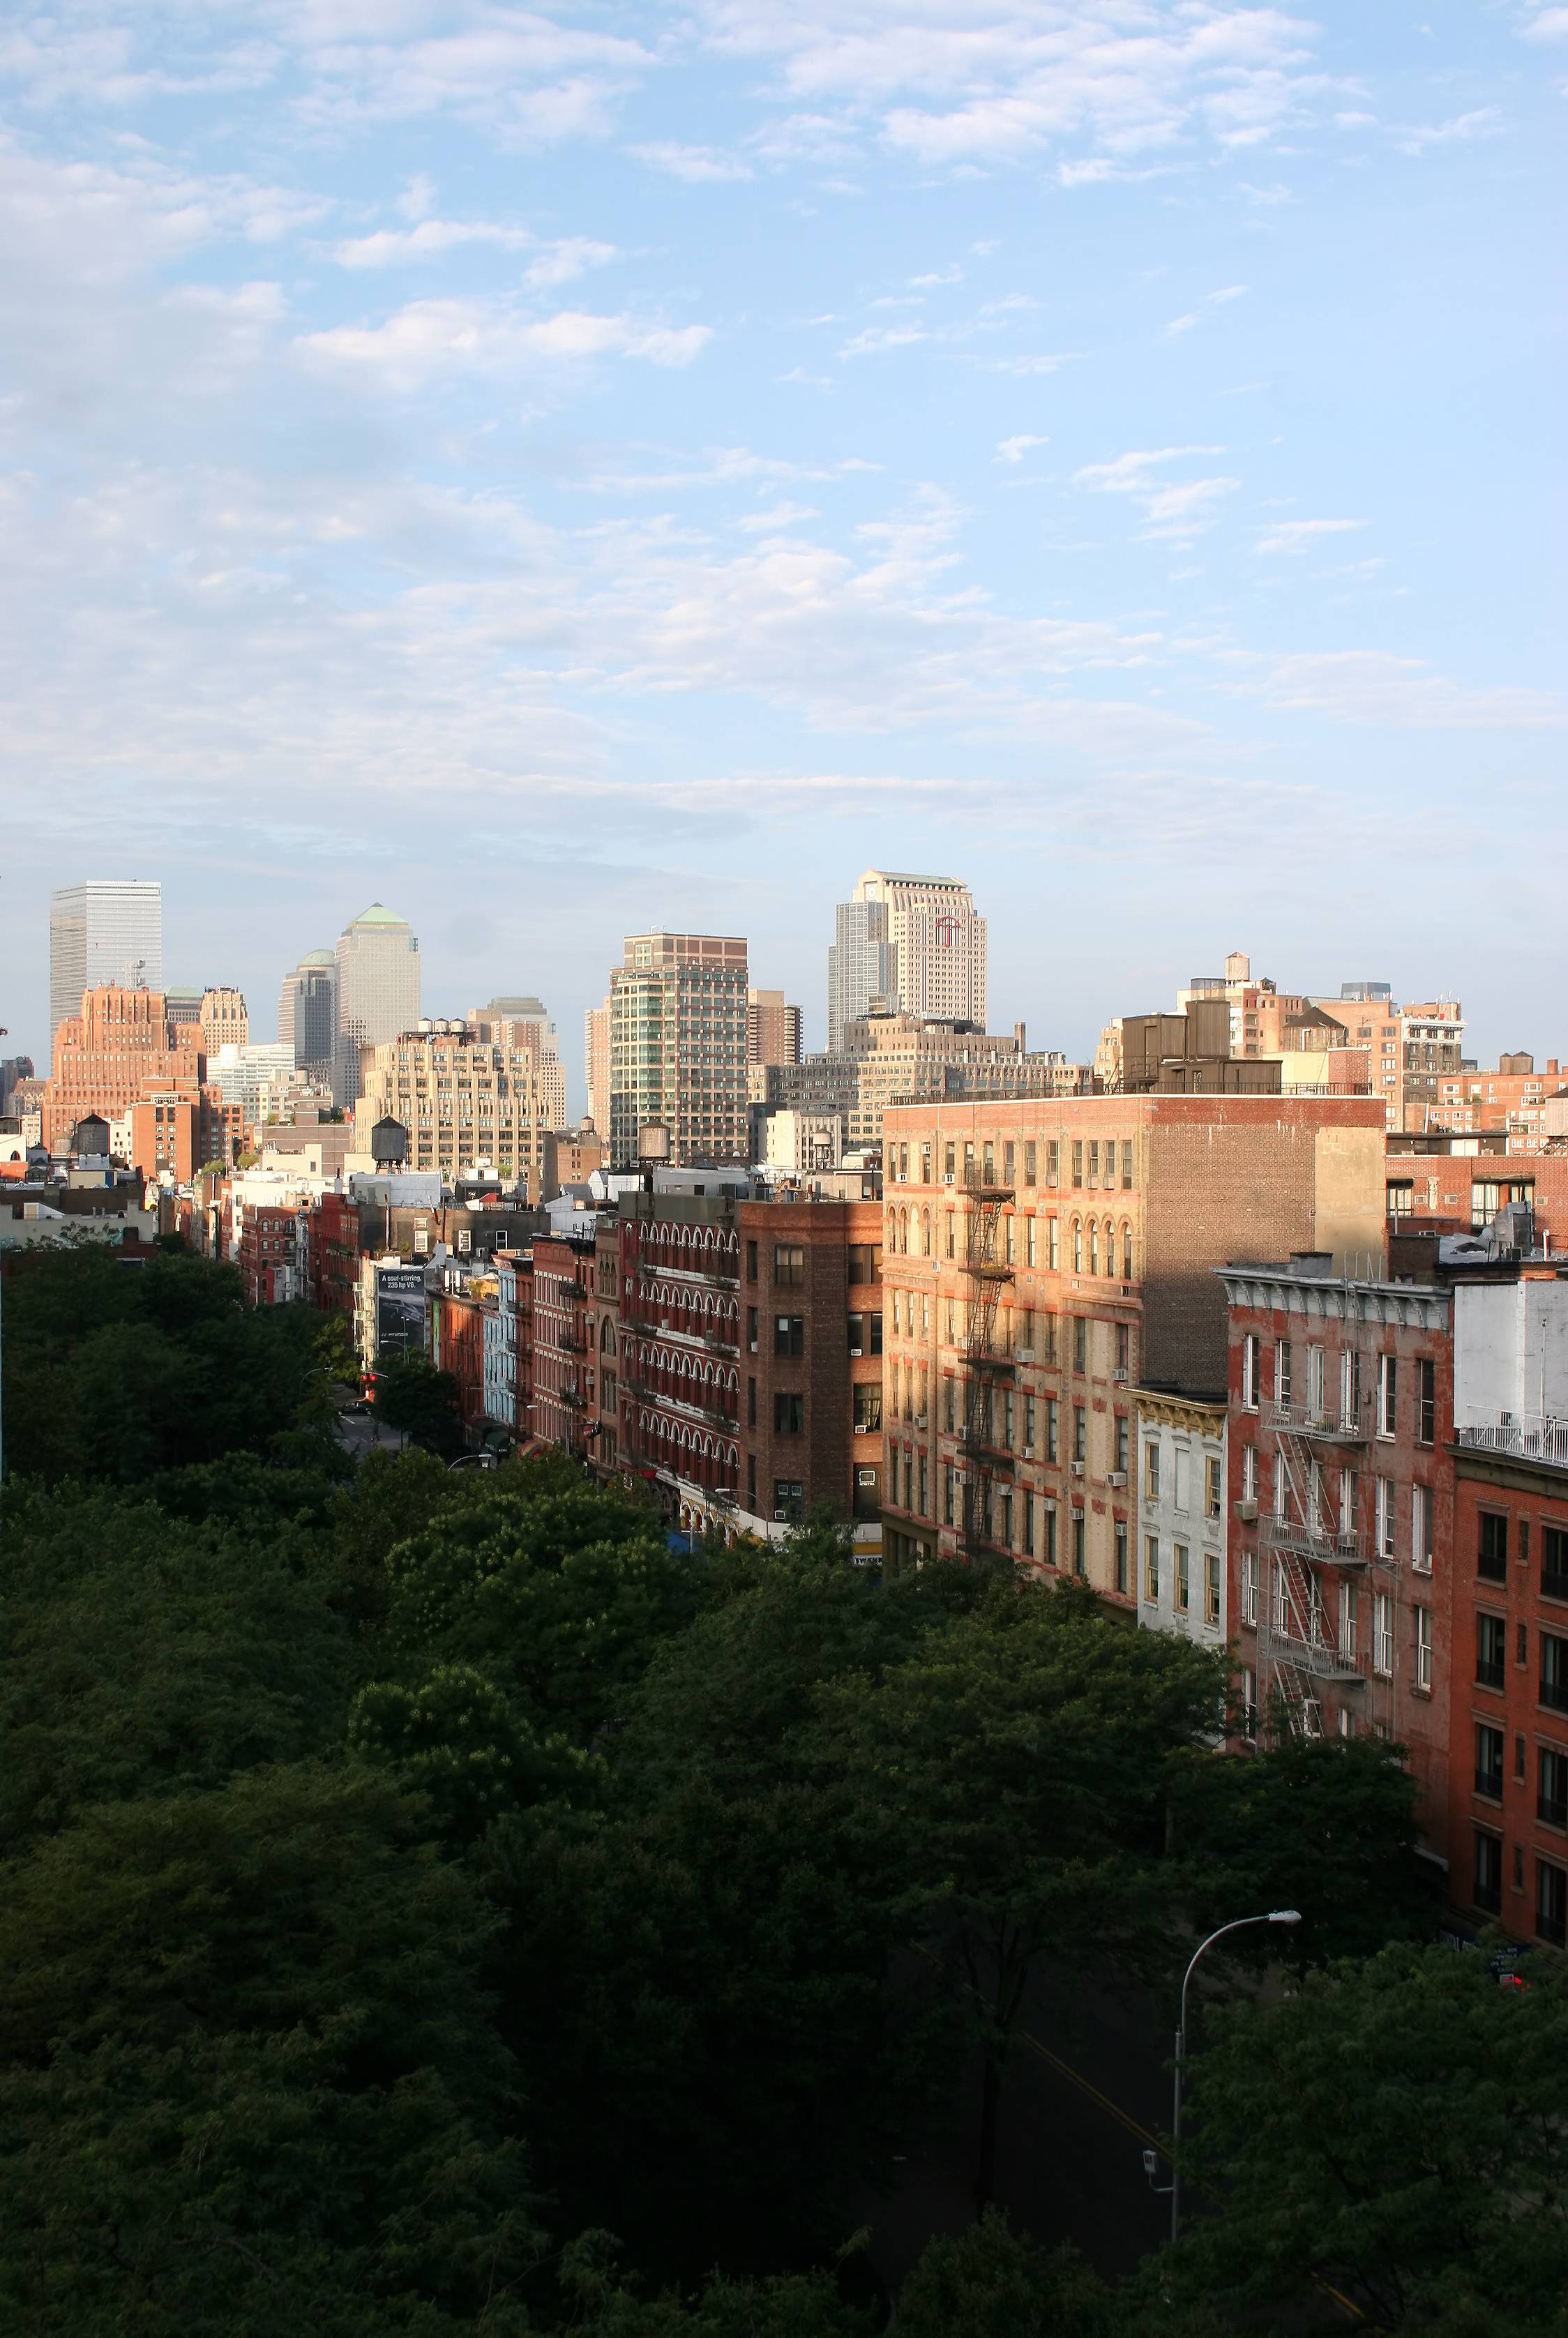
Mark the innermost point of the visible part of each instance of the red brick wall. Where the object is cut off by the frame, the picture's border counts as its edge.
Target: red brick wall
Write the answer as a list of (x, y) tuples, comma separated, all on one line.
[(1531, 1501)]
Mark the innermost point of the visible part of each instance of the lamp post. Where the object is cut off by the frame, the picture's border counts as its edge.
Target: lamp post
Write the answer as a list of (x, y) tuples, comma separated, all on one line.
[(1275, 1916)]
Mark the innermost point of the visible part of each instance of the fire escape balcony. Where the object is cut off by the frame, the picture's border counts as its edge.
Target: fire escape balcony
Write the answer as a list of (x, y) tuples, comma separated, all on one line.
[(989, 1360), (1326, 1545), (1319, 1657), (1328, 1426)]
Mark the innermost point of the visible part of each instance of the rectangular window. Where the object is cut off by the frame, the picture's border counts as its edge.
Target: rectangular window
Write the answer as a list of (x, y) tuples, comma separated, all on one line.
[(789, 1335), (1055, 1259), (1423, 1647), (1184, 1486), (1488, 1762), (1249, 1702), (1094, 1162), (788, 1497), (1421, 1510), (946, 1494), (1282, 1374), (1079, 1343), (1491, 1651), (1214, 1492), (1492, 1553), (1152, 1567), (1427, 1402), (1350, 1390), (1385, 1516), (1211, 1587), (1079, 1564), (948, 1158), (1077, 1161), (1489, 1873), (1248, 1473), (1387, 1395), (1250, 1587), (865, 1263), (751, 1262), (1249, 1372), (788, 1413), (1151, 1471), (1121, 1557), (1552, 1785), (868, 1407), (1048, 1539), (1554, 1672), (789, 1263), (923, 1485), (751, 1404), (1053, 1452), (1183, 1578), (1008, 1159), (1127, 1164), (1550, 1903), (1350, 1622), (1383, 1633), (1005, 1529), (1027, 1522), (1053, 1162), (1123, 1443), (925, 1165), (876, 1346), (1031, 1154), (1554, 1563), (1029, 1259), (1079, 1433)]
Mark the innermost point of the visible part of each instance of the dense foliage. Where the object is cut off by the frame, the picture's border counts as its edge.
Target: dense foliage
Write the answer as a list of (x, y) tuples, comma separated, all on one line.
[(429, 1904)]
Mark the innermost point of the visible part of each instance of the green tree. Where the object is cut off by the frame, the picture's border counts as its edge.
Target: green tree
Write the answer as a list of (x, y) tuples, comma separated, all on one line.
[(147, 1654), (420, 1402), (250, 2077), (990, 2282), (1015, 1773), (792, 2305), (459, 1739), (1395, 2131)]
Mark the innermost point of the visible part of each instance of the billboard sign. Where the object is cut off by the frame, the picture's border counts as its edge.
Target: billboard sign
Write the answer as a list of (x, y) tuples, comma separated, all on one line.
[(399, 1310)]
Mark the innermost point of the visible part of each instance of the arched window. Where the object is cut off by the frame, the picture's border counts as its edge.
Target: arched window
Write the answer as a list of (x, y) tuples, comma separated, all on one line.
[(1110, 1247), (925, 1234), (1077, 1247), (1126, 1252), (1094, 1247)]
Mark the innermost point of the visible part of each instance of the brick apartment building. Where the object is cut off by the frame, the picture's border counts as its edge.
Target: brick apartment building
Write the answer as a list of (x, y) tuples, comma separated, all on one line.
[(1041, 1260), (1340, 1496), (563, 1373), (811, 1290), (679, 1324), (458, 1316), (605, 1453), (1432, 1184), (1508, 1772), (274, 1255)]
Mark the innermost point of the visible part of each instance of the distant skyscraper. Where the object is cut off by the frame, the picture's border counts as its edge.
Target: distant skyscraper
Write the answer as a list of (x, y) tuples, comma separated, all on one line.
[(104, 932), (907, 942), (678, 1045), (772, 1028), (308, 1012), (377, 989), (596, 1066), (525, 1022)]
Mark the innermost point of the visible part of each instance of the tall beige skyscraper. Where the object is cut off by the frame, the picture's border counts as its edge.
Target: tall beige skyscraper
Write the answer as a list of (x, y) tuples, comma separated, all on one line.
[(515, 1021), (678, 1045), (937, 943), (596, 1064), (377, 989)]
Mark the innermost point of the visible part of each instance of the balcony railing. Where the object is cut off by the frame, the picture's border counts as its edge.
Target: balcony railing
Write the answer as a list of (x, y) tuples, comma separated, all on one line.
[(1335, 1424), (1322, 1658), (1329, 1545), (989, 1360), (1533, 1440)]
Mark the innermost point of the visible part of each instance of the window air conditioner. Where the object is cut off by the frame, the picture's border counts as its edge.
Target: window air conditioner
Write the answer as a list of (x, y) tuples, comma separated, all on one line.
[(1025, 1355), (854, 1351), (1119, 1373), (1077, 1467), (1116, 1478), (781, 1517), (1247, 1511), (1028, 1453)]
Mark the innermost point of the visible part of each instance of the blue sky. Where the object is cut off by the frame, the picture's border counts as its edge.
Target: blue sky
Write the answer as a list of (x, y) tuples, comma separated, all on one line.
[(563, 472)]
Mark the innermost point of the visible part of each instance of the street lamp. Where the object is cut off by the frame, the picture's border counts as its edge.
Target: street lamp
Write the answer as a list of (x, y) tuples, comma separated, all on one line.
[(1275, 1916)]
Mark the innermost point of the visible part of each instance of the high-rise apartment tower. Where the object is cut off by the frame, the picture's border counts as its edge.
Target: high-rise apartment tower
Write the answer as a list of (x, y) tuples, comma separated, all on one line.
[(308, 1012), (104, 932), (678, 1045), (772, 1028)]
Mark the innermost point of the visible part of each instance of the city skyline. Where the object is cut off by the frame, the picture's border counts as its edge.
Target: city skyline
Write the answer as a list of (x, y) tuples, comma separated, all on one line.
[(1111, 458)]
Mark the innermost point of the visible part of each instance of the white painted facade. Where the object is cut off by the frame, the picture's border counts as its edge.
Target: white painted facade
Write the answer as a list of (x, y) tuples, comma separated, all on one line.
[(1511, 1353), (1179, 1559)]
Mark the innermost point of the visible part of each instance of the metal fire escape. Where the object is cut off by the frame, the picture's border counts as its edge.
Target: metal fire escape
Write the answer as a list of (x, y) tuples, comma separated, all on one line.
[(989, 1372), (1314, 1617)]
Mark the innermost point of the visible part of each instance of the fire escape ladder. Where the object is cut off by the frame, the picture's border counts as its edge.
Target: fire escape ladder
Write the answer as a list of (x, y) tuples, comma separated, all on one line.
[(987, 1272)]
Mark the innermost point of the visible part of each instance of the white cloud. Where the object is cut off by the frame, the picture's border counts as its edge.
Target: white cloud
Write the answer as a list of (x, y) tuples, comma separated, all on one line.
[(875, 338), (1013, 450), (1300, 535), (398, 247), (428, 338), (1174, 512), (1484, 122), (697, 165), (1371, 686), (1182, 324), (1550, 24)]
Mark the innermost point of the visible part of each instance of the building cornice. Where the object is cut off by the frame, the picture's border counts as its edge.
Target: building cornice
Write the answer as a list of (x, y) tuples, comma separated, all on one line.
[(1401, 1305), (1206, 1415)]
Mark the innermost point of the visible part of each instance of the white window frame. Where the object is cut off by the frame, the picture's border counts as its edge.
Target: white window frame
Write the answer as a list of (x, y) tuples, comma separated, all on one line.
[(1387, 1395), (1421, 1529), (1348, 1621), (1250, 1587), (1423, 1647), (1382, 1633), (1385, 1506), (1250, 1356)]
